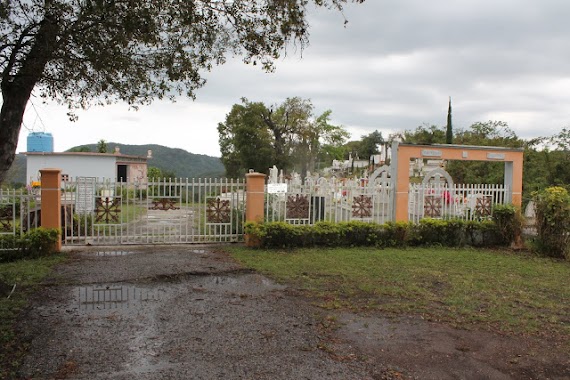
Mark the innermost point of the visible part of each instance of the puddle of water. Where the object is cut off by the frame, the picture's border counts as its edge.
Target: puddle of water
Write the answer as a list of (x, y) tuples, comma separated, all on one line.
[(252, 283), (114, 296), (113, 253)]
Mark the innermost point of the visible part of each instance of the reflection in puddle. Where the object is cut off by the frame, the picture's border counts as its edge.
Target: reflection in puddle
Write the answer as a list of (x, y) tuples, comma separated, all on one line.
[(253, 283), (112, 253), (114, 296)]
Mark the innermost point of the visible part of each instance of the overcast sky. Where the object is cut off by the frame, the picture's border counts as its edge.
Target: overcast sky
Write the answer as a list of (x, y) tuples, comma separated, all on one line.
[(393, 67)]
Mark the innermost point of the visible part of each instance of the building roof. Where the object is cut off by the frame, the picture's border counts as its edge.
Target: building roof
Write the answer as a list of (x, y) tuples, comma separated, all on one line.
[(119, 156)]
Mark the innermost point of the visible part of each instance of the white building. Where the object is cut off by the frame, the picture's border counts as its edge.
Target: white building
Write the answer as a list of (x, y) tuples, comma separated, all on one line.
[(111, 166)]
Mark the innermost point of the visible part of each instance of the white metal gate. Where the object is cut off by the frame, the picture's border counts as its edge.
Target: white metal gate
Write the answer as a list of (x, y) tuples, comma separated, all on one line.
[(19, 210), (153, 212)]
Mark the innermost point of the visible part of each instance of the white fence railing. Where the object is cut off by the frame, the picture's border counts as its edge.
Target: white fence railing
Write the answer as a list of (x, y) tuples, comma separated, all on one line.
[(213, 210), (19, 211), (333, 201), (467, 202)]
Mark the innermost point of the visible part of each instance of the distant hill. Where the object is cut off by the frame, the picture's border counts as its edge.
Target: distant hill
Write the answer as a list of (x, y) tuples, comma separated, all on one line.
[(184, 164), (17, 172)]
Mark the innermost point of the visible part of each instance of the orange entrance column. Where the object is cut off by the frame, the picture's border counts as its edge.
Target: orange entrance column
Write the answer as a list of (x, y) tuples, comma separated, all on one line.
[(402, 153), (255, 199), (51, 201)]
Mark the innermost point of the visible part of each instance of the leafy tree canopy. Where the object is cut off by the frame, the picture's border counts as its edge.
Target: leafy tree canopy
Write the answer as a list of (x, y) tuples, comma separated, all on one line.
[(364, 148), (83, 52), (289, 136), (424, 134), (488, 133)]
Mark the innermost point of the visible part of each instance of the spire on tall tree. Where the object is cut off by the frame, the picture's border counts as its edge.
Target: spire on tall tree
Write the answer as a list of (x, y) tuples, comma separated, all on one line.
[(449, 129)]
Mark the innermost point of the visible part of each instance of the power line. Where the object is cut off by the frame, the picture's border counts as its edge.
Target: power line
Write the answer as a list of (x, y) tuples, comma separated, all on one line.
[(38, 117)]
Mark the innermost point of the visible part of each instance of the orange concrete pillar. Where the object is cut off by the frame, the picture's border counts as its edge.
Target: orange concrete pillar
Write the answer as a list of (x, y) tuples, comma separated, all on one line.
[(51, 200), (255, 201), (514, 179), (402, 186)]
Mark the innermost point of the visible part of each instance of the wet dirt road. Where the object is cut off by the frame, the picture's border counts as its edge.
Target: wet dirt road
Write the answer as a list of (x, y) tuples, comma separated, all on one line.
[(191, 312), (172, 313)]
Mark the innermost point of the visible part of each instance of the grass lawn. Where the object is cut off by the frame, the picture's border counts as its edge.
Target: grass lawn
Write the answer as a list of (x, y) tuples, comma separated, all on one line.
[(26, 274), (499, 291)]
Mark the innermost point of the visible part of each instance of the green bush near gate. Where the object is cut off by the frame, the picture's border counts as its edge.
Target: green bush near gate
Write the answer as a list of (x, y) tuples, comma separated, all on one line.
[(509, 222), (429, 232), (33, 244), (553, 222)]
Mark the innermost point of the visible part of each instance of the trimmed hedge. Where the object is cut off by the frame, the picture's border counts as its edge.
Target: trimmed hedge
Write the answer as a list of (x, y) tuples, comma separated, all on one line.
[(33, 244), (429, 232)]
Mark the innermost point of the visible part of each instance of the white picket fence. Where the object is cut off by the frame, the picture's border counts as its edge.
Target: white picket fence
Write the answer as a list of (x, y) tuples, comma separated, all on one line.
[(462, 201), (329, 200)]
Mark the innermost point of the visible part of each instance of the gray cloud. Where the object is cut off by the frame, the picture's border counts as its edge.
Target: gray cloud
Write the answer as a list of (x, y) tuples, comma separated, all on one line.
[(396, 62)]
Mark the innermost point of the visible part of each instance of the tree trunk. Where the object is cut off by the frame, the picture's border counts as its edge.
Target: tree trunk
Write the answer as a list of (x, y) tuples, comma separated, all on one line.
[(18, 86), (13, 106), (281, 160)]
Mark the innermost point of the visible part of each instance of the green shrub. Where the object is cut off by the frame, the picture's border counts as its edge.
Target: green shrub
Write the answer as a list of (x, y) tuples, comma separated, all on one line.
[(552, 207), (397, 234), (39, 242), (276, 235), (482, 233), (33, 244), (429, 232), (324, 234), (9, 248), (509, 222), (360, 234), (447, 233)]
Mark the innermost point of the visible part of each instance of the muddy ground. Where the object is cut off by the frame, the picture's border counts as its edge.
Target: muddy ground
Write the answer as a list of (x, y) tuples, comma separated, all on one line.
[(180, 312)]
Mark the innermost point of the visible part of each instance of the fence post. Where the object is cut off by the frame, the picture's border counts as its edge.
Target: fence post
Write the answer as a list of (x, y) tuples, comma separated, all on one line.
[(254, 201), (51, 201)]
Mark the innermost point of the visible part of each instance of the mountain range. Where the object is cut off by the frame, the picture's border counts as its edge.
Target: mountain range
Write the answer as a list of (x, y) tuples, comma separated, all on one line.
[(178, 161)]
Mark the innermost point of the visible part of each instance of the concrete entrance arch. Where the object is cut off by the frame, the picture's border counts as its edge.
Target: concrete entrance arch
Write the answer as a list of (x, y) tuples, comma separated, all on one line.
[(403, 153)]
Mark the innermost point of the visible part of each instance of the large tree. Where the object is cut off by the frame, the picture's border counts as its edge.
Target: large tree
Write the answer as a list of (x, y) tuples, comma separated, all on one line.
[(317, 139), (370, 144), (288, 135), (82, 52), (245, 141)]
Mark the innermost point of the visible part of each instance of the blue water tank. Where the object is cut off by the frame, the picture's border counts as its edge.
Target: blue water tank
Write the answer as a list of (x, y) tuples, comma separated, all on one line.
[(40, 142)]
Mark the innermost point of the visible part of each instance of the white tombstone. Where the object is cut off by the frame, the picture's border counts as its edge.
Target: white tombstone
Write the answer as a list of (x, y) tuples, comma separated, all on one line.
[(273, 174), (529, 211)]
